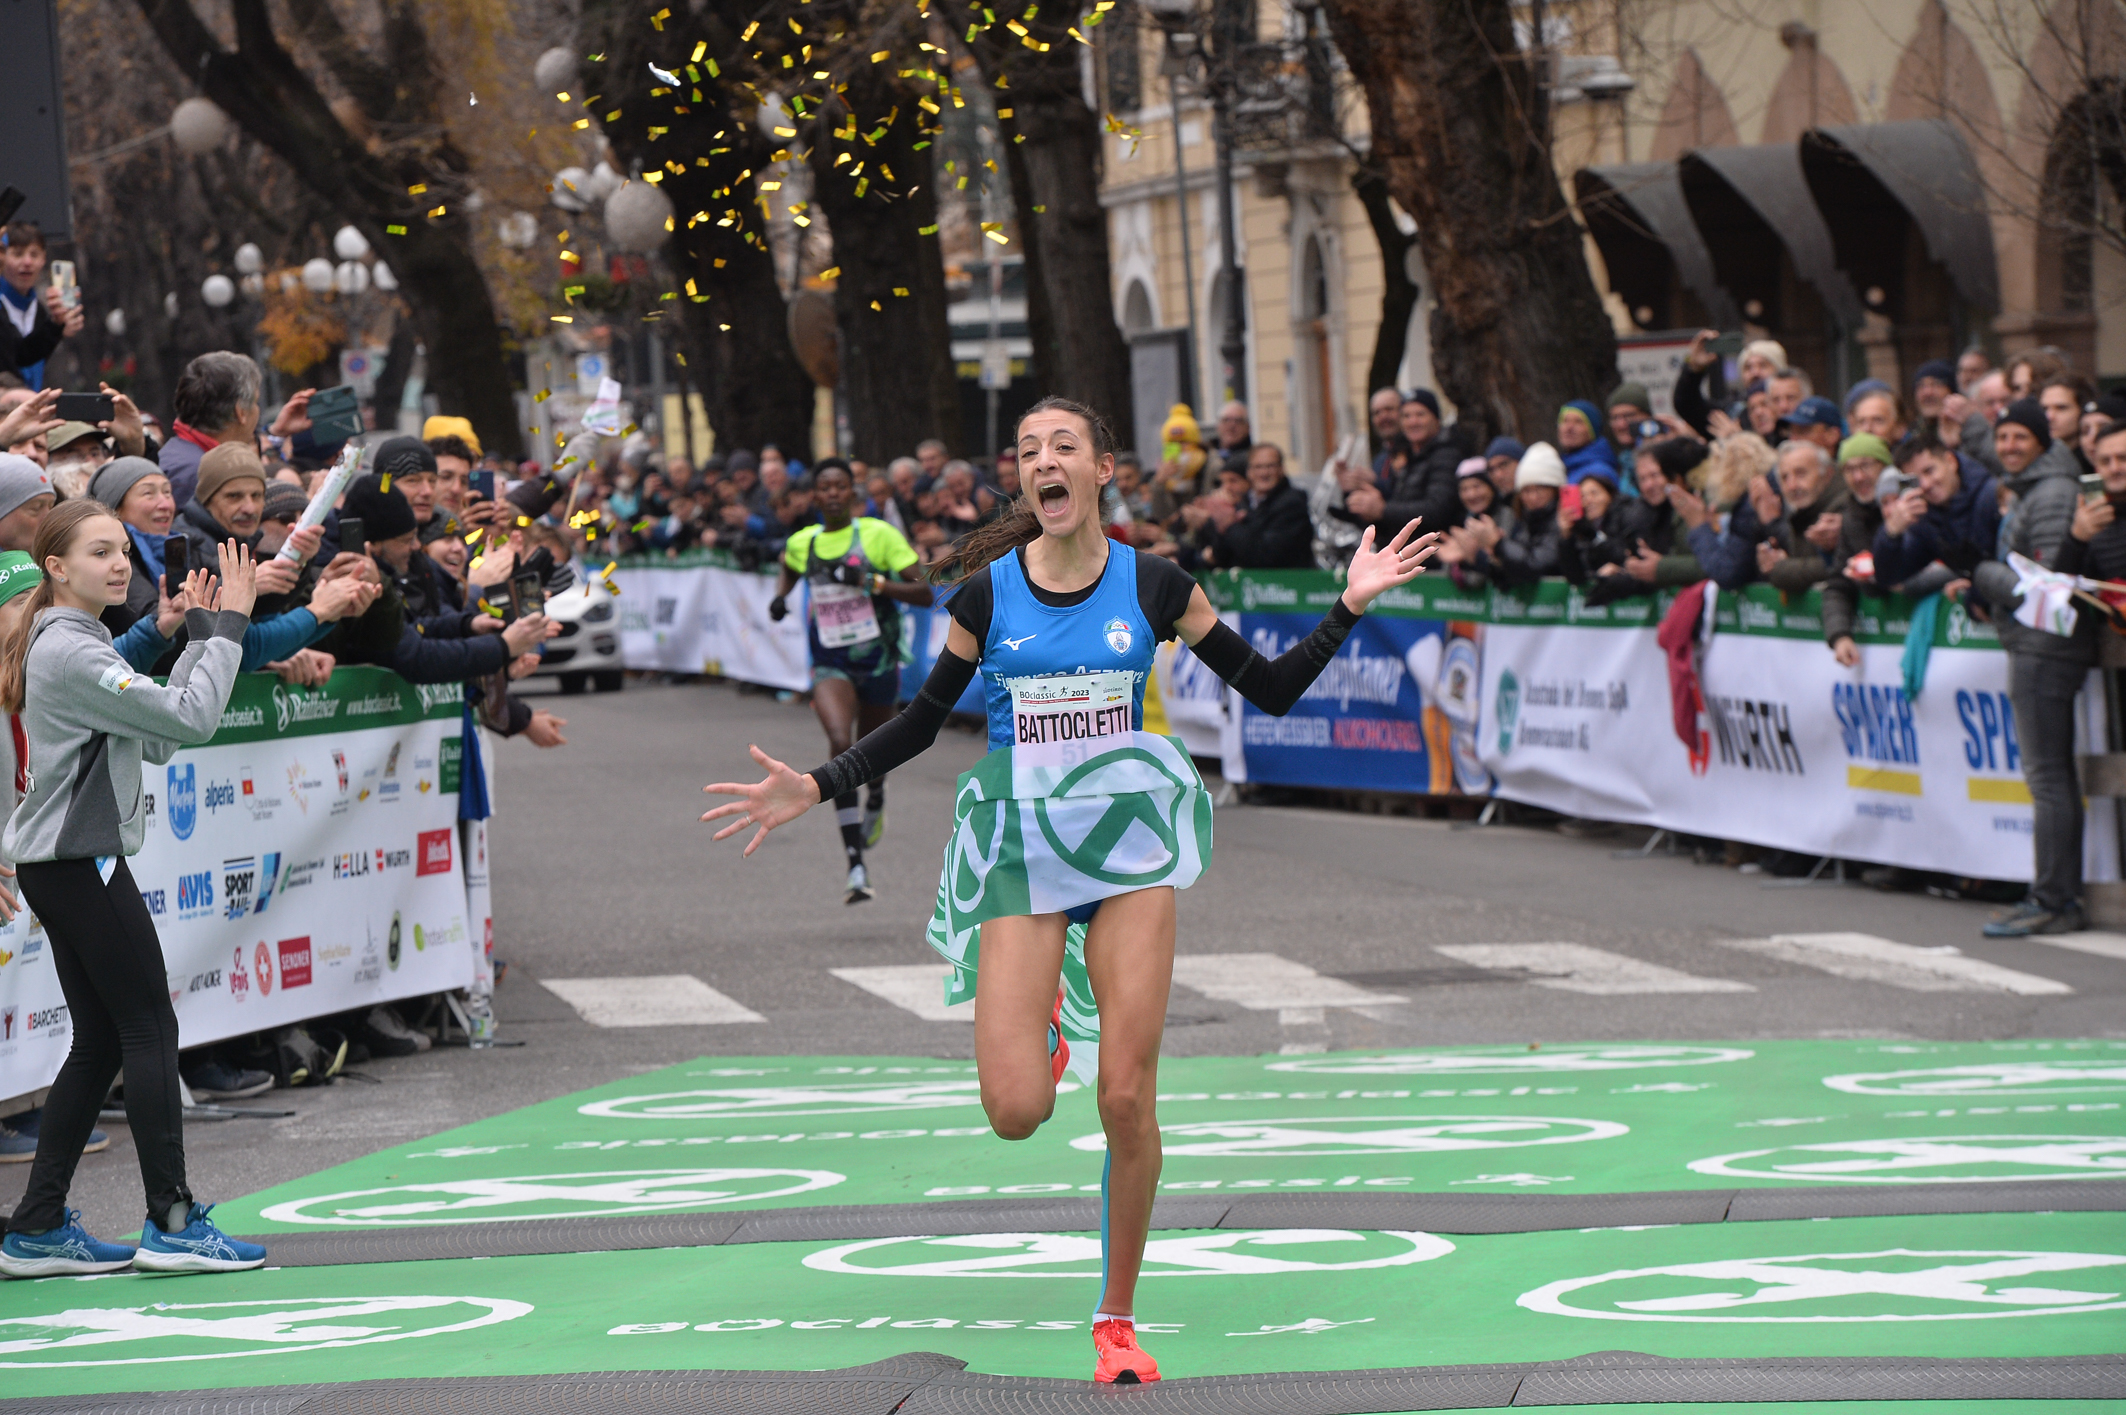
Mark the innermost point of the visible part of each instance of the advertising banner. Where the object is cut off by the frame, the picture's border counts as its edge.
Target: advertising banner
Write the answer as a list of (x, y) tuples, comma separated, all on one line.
[(699, 613), (305, 861)]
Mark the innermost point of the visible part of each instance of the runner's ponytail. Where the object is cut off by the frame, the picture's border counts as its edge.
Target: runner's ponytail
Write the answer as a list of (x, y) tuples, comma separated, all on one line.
[(55, 536), (1021, 524)]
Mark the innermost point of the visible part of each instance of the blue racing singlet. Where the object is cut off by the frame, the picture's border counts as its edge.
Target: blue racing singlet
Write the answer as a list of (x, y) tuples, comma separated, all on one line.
[(1065, 674)]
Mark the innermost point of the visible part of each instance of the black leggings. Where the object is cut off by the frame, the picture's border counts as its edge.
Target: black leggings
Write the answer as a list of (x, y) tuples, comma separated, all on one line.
[(111, 970)]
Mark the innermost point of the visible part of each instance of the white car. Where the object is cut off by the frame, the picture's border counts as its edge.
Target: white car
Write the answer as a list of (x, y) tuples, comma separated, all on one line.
[(588, 646)]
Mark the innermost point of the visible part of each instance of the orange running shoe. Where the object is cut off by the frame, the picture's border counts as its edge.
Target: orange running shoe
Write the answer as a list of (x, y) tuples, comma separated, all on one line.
[(1058, 1048), (1122, 1362)]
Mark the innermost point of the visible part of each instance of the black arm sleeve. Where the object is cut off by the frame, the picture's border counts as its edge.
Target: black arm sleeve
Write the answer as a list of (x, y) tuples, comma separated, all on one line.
[(1275, 686), (905, 737)]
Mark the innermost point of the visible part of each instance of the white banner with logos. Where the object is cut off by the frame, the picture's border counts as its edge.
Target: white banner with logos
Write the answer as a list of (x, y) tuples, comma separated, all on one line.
[(707, 619), (306, 861), (1793, 751)]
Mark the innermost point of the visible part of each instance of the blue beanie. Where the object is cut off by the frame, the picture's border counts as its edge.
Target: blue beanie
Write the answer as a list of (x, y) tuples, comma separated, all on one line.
[(1505, 447)]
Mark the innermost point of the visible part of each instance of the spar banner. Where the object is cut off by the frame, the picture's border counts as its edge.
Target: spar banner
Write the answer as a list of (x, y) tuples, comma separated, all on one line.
[(1395, 710), (305, 861), (701, 613)]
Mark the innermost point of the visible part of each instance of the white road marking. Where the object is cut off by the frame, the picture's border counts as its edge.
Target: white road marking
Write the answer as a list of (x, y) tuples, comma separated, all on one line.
[(1866, 958), (1264, 982), (1574, 967), (672, 1000), (2103, 945), (917, 988)]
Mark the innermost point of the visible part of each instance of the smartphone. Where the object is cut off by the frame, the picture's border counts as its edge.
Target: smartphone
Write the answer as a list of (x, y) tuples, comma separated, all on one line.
[(90, 408), (2092, 488), (335, 415), (481, 480), (63, 281), (1726, 345), (352, 534), (1569, 499), (176, 551)]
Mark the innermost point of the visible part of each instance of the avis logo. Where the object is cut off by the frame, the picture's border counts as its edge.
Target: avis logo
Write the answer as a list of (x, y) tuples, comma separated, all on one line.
[(434, 852), (195, 895)]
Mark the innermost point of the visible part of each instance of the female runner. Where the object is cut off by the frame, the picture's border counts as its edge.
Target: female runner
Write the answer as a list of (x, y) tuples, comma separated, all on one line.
[(1062, 621)]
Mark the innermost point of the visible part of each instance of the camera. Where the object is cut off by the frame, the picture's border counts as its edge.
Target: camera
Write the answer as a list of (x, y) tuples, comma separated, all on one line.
[(1893, 484)]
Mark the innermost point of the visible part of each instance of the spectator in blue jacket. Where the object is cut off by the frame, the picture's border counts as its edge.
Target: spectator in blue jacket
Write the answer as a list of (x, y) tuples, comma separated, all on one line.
[(1947, 509)]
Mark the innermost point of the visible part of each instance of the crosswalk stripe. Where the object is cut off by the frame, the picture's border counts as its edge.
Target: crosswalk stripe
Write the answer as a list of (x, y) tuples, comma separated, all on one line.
[(1867, 958), (1575, 967), (2103, 945), (1265, 982), (917, 988), (671, 1000)]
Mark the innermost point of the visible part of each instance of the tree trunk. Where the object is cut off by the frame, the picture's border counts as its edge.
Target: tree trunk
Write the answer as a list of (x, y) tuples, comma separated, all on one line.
[(889, 300), (753, 388), (260, 85), (1053, 144), (1398, 297), (1517, 328)]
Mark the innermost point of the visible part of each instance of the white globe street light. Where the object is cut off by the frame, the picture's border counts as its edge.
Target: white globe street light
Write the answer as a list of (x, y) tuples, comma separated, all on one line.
[(317, 275), (217, 290), (637, 217), (198, 127), (555, 70), (114, 324), (517, 230), (351, 278), (350, 244), (384, 279), (572, 189), (250, 260)]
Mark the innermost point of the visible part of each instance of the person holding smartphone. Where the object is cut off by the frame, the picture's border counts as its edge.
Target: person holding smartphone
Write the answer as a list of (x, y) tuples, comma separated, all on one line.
[(37, 318), (90, 719)]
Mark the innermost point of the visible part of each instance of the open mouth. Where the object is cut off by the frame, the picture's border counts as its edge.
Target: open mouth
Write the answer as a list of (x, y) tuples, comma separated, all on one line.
[(1053, 499)]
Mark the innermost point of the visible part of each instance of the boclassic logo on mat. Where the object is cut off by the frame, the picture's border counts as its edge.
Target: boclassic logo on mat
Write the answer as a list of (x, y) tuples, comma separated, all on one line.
[(1506, 1061), (1239, 1253), (1991, 1078), (538, 1196), (1894, 1285), (1369, 1135), (1937, 1159), (223, 1331), (745, 1102)]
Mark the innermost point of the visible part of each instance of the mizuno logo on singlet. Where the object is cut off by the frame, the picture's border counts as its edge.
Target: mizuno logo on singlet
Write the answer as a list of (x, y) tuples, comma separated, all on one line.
[(1013, 644)]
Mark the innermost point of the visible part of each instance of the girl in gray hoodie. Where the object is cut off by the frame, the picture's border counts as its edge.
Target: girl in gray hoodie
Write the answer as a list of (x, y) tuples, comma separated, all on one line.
[(90, 719)]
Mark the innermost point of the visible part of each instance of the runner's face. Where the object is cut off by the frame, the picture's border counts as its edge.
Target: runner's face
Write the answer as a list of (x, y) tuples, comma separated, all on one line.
[(831, 494), (1060, 471)]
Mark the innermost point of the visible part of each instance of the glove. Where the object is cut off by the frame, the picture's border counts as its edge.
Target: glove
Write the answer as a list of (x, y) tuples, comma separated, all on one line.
[(846, 574), (778, 610)]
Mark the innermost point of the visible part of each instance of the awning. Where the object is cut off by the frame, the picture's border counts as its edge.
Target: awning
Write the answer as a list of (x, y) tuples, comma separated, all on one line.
[(1925, 168), (1768, 182), (1639, 219)]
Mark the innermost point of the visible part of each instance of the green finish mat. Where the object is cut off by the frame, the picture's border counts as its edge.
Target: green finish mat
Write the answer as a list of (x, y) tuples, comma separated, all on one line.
[(1569, 1118), (1219, 1302)]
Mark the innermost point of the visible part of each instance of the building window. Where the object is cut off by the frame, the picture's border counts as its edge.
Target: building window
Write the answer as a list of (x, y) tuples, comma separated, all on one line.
[(1124, 58), (1137, 309)]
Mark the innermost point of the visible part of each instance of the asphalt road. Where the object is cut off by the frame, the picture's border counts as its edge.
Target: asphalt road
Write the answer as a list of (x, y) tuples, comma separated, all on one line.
[(603, 871)]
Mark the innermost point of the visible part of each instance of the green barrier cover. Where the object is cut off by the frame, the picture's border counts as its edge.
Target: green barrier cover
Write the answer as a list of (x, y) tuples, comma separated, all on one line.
[(262, 708), (1210, 1303), (775, 1132), (1757, 610)]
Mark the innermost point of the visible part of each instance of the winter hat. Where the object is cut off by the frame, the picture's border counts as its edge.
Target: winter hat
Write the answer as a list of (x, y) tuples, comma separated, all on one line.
[(1863, 388), (67, 434), (1540, 466), (1586, 410), (1505, 447), (1598, 471), (460, 428), (442, 524), (403, 457), (1471, 467), (21, 479), (18, 572), (1770, 349), (2111, 405), (232, 461), (1940, 370), (1815, 412), (2031, 414), (742, 461), (1632, 395), (115, 478), (385, 514), (1425, 396), (1678, 457), (1864, 444), (285, 502)]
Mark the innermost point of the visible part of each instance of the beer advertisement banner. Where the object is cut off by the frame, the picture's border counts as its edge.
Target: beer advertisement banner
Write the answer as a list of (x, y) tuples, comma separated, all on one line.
[(305, 861)]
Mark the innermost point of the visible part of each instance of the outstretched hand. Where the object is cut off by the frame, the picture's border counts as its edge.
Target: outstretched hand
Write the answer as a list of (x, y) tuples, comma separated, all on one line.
[(1373, 572), (780, 798)]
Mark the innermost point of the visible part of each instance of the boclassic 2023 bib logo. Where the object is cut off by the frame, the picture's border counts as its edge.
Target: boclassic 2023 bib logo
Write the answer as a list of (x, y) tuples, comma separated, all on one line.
[(220, 1331), (1937, 1159), (1238, 1253), (1893, 1285), (1368, 1135), (1507, 1061), (542, 1196)]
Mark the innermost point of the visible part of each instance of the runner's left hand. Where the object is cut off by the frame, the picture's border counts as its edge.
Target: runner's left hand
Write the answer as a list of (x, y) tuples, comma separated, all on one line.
[(1397, 563), (779, 799)]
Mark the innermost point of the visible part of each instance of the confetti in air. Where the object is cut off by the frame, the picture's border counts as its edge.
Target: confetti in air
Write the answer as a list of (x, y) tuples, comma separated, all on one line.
[(669, 80)]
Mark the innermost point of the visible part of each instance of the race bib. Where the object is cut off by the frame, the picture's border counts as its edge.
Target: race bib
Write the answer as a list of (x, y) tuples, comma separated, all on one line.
[(1072, 707), (844, 615)]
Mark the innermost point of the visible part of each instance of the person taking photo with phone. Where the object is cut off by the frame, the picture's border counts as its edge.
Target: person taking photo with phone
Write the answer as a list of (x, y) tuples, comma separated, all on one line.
[(90, 719), (37, 319)]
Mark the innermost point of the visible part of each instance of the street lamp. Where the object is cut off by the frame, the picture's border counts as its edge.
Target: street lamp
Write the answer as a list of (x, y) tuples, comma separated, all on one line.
[(1212, 70)]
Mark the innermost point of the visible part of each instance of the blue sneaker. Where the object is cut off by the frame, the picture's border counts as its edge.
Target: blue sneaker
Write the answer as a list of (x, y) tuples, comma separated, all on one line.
[(15, 1146), (67, 1251), (27, 1123), (199, 1248)]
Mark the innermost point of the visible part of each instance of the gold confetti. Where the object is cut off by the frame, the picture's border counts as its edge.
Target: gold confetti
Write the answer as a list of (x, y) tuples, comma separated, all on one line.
[(901, 290), (657, 20), (877, 306), (701, 47), (542, 395), (394, 230), (562, 318), (435, 213), (999, 237), (830, 272), (416, 189), (930, 230)]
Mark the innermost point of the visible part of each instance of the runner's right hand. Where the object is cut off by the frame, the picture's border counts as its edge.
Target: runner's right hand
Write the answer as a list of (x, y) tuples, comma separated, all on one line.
[(778, 609), (779, 799)]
